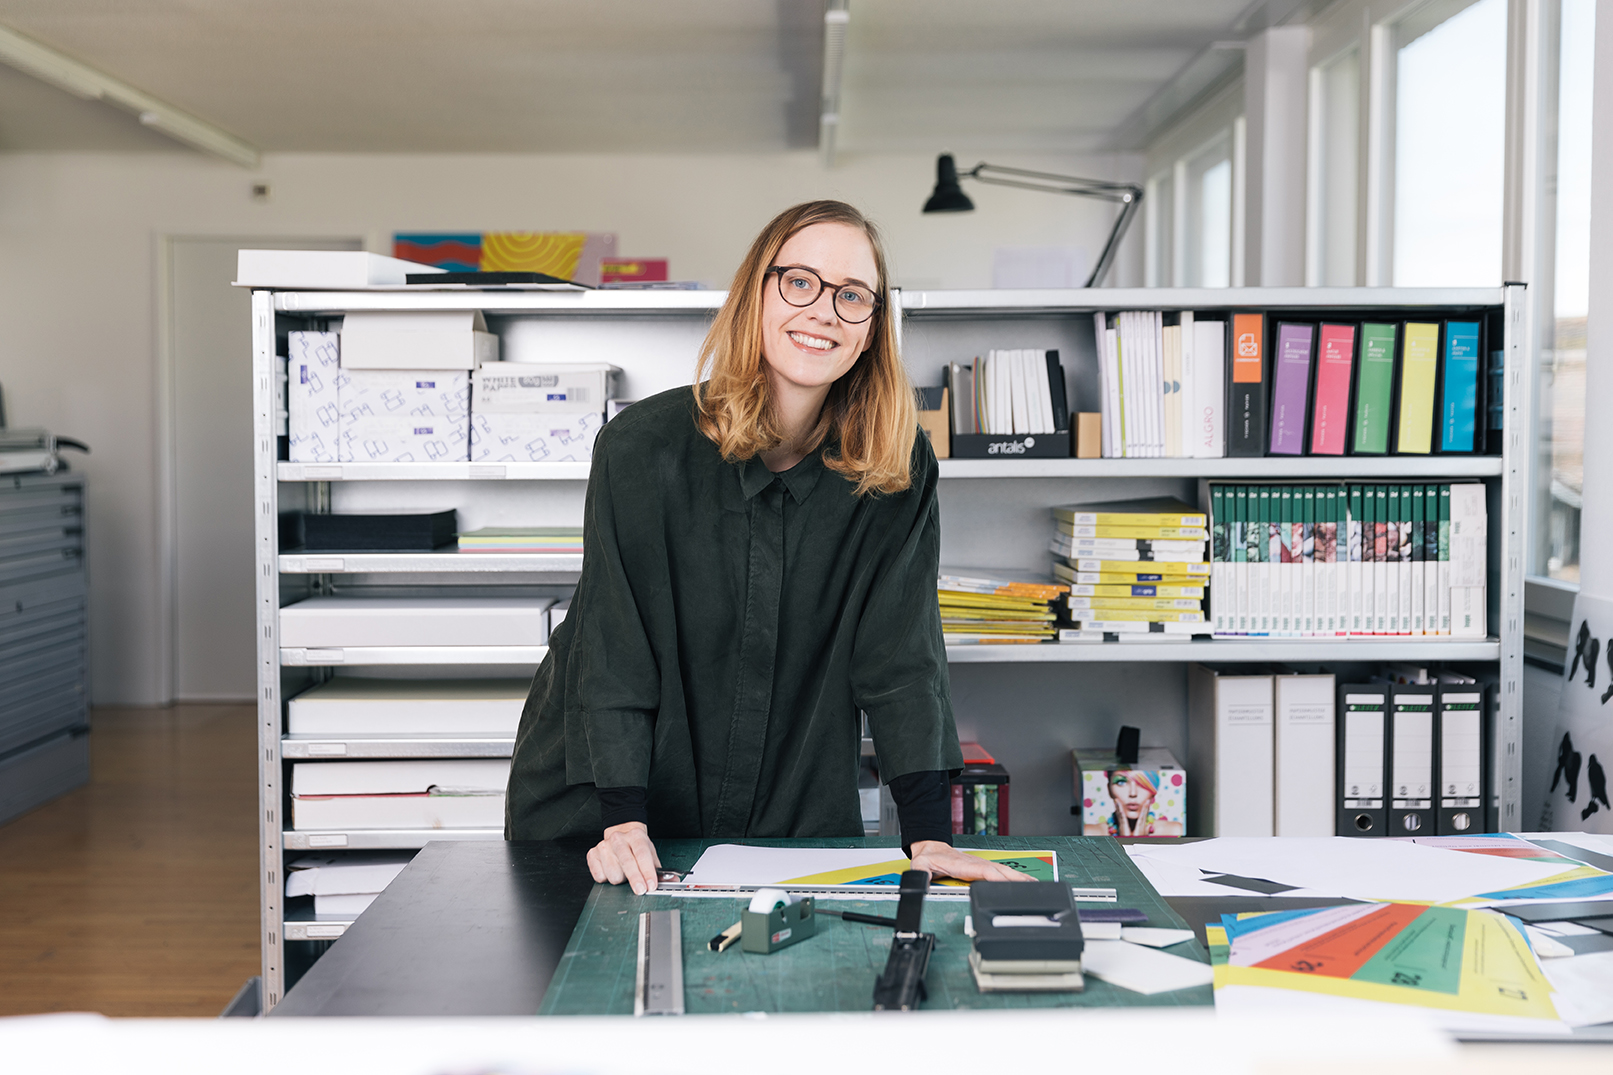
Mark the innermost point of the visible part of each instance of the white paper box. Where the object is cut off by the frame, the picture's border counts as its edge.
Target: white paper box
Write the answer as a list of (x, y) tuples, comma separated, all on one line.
[(338, 622), (313, 368), (468, 775), (534, 438), (449, 340), (399, 794), (439, 393), (549, 387), (356, 706), (406, 438), (557, 614), (322, 269), (398, 812)]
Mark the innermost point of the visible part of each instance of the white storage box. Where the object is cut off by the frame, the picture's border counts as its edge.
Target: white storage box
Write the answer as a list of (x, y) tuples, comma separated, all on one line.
[(356, 706), (533, 438), (322, 269), (435, 794), (450, 340), (403, 438), (313, 368), (549, 387), (338, 622), (438, 393), (557, 615)]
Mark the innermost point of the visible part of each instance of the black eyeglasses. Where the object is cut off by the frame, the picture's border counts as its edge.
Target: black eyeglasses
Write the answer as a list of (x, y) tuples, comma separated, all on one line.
[(800, 286)]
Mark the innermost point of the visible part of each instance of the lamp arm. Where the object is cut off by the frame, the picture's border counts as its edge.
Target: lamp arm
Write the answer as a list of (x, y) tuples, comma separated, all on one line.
[(1129, 195)]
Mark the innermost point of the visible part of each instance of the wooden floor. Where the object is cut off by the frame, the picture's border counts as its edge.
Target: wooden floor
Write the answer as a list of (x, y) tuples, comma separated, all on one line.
[(136, 895)]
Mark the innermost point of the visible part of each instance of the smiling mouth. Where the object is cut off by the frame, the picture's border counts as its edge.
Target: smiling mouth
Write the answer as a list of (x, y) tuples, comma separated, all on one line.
[(817, 343)]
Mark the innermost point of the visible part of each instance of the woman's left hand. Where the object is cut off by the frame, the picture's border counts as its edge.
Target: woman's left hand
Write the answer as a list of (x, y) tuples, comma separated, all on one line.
[(944, 860)]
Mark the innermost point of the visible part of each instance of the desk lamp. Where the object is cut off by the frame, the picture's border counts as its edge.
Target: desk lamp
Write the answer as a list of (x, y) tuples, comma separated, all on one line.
[(950, 198)]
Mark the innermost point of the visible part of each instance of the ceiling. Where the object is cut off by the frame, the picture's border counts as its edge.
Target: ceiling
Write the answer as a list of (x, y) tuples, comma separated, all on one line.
[(614, 75)]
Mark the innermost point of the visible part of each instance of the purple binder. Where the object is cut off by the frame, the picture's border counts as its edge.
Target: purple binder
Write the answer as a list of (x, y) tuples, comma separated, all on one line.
[(1291, 388)]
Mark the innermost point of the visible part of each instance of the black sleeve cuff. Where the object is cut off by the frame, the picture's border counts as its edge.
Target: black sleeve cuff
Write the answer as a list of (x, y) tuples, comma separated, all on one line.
[(618, 806), (923, 807)]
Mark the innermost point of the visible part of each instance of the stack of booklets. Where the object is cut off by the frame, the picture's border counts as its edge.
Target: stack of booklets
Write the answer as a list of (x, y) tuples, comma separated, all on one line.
[(1162, 377), (1137, 570), (982, 607), (1012, 391), (1333, 561), (538, 539)]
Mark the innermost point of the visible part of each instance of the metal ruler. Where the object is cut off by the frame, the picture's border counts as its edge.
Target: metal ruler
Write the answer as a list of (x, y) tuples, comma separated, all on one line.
[(659, 990)]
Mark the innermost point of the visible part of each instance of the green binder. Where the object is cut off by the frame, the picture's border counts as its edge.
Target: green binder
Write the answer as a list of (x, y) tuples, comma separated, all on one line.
[(1374, 396)]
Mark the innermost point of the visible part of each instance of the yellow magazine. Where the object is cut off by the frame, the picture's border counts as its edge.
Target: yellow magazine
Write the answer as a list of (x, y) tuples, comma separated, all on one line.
[(1167, 568), (1135, 533), (1159, 603)]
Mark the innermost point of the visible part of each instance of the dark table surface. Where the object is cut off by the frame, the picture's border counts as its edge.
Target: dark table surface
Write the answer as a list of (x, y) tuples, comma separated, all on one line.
[(478, 929)]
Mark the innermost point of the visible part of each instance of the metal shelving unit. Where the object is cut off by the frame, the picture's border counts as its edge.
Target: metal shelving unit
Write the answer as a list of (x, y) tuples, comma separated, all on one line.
[(994, 514)]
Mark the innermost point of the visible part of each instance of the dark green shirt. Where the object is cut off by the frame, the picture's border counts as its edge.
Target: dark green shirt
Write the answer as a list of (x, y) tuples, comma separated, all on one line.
[(728, 625)]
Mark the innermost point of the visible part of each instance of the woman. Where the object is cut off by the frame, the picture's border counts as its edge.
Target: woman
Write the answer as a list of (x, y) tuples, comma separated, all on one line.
[(761, 554), (1133, 792)]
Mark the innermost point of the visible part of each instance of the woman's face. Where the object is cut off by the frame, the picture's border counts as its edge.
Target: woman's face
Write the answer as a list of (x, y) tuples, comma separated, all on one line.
[(1131, 797), (810, 347)]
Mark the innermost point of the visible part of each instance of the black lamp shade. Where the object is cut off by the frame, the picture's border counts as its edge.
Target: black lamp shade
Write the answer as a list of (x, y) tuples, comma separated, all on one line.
[(948, 196)]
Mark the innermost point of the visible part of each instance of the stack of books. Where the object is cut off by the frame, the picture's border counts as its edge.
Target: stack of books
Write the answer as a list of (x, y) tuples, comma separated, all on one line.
[(982, 607), (1137, 570), (554, 540)]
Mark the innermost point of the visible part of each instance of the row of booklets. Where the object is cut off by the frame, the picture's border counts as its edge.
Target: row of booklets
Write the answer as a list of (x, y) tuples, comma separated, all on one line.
[(1340, 560), (1009, 391), (1399, 750), (1182, 385)]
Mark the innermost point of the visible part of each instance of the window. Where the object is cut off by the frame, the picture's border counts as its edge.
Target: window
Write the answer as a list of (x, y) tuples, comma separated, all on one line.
[(1335, 136), (1562, 382), (1207, 237), (1449, 145), (1159, 202)]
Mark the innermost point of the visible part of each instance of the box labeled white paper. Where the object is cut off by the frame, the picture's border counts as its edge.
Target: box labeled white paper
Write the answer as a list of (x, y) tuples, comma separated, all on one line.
[(312, 369), (534, 438), (405, 438), (566, 387), (417, 340), (353, 705), (338, 621)]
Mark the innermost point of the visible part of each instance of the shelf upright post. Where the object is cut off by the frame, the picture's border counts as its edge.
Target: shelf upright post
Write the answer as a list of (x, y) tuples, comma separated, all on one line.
[(1517, 446), (266, 536)]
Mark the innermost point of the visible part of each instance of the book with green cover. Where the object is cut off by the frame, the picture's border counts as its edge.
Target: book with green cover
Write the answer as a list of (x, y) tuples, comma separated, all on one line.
[(1375, 385), (1419, 364)]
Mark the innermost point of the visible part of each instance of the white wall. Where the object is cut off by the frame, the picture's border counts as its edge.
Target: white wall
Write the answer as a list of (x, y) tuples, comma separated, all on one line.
[(79, 236)]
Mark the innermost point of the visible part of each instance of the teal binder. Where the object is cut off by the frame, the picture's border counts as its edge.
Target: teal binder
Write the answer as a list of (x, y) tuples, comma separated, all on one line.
[(1459, 400)]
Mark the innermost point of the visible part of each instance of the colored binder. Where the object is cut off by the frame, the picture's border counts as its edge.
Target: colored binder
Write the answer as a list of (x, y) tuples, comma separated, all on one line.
[(1459, 388), (1463, 748), (1419, 366), (1246, 409), (1375, 380), (1412, 744), (1335, 367), (1304, 724), (1362, 759), (1291, 387)]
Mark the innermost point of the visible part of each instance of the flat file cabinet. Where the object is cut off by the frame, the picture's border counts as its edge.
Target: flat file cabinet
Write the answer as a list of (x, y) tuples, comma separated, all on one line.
[(44, 668)]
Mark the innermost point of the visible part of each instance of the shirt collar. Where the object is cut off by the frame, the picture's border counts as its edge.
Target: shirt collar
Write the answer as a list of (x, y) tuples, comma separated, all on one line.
[(800, 479)]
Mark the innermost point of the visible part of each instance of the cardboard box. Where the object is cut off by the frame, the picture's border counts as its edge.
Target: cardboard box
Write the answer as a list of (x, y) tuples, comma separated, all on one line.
[(313, 368), (1152, 793), (533, 438), (533, 388), (446, 340), (1089, 435), (935, 418), (351, 705), (335, 621), (406, 438)]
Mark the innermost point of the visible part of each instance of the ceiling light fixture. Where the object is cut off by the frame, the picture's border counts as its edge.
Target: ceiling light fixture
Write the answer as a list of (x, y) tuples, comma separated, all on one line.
[(948, 196), (82, 80)]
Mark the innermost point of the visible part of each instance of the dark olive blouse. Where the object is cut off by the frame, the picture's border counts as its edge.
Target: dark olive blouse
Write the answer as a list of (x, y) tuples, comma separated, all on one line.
[(728, 625)]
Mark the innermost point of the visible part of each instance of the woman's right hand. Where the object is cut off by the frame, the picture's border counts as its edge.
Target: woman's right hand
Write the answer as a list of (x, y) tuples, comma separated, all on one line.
[(626, 854)]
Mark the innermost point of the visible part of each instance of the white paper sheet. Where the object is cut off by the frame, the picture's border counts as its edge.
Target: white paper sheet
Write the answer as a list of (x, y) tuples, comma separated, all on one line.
[(1354, 868), (1142, 970), (1154, 936), (1584, 986), (1171, 879), (736, 865), (1100, 931)]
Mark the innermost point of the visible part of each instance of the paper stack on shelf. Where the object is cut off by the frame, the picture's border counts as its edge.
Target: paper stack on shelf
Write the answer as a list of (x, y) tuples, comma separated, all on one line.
[(340, 621), (995, 607), (1136, 570), (357, 706), (1018, 393), (343, 884), (434, 794), (540, 412), (1162, 375), (536, 539)]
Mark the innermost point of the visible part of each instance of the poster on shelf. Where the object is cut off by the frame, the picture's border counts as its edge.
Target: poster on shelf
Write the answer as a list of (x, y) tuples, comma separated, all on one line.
[(1577, 799)]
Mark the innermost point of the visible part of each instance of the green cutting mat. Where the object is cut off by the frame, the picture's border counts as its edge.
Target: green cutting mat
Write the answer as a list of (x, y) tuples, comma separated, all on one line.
[(835, 969)]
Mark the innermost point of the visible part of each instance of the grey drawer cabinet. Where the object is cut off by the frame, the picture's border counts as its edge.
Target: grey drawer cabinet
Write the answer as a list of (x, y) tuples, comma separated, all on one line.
[(44, 670)]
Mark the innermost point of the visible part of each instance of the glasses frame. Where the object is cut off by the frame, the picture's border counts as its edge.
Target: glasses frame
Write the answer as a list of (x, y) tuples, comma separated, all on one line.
[(823, 285)]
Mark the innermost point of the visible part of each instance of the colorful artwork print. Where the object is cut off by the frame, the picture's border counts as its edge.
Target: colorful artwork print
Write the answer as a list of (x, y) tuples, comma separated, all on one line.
[(1134, 802), (570, 255)]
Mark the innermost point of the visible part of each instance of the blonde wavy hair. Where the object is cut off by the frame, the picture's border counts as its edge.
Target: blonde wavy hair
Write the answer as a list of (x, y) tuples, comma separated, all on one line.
[(870, 410)]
